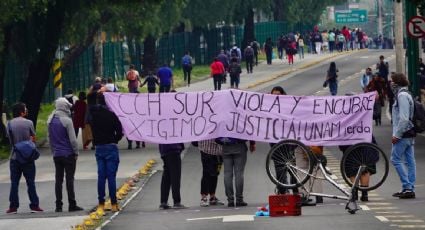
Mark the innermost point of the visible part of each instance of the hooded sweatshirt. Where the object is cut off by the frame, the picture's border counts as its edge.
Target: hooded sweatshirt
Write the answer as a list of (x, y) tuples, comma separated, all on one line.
[(63, 141)]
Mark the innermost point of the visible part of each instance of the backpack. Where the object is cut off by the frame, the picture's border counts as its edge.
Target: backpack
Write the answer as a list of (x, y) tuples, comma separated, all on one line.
[(234, 69), (418, 118), (25, 151), (186, 61), (234, 52), (249, 52)]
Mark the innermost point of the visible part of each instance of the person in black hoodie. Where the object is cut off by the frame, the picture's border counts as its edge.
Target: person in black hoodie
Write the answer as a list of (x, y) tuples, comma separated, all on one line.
[(107, 131)]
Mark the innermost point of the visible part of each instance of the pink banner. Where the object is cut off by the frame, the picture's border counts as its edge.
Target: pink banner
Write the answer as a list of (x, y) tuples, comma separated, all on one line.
[(193, 116)]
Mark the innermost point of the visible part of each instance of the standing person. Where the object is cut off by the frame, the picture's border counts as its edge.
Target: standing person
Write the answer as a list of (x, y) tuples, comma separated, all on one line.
[(331, 38), (236, 52), (268, 49), (70, 96), (224, 59), (317, 38), (234, 160), (217, 72), (331, 78), (301, 45), (79, 120), (402, 153), (291, 50), (166, 79), (211, 157), (171, 176), (377, 84), (325, 41), (235, 71), (133, 78), (21, 129), (249, 58), (256, 47), (280, 46), (366, 78), (107, 132), (63, 143), (187, 67), (152, 81)]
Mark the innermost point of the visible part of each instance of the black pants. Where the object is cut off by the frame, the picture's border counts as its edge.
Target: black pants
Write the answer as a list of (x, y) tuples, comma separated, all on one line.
[(186, 73), (65, 165), (256, 58), (164, 88), (269, 57), (130, 143), (209, 173), (151, 90), (217, 81), (171, 177), (249, 64)]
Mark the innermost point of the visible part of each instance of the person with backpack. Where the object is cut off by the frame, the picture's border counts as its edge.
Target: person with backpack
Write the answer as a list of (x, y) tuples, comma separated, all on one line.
[(236, 52), (249, 58), (152, 81), (383, 68), (403, 136), (187, 67), (64, 146), (331, 79), (235, 71), (21, 129), (133, 79), (256, 47)]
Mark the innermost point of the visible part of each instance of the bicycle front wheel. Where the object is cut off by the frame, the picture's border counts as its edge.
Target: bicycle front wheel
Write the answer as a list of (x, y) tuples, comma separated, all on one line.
[(289, 164), (372, 158)]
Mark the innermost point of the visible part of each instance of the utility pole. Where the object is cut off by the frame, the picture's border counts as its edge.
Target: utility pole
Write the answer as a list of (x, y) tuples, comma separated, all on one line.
[(379, 11), (412, 51), (398, 31)]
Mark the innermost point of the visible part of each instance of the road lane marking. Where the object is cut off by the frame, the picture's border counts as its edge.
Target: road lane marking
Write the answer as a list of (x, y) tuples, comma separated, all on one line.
[(411, 226), (382, 218), (364, 207), (206, 218), (238, 218), (411, 221)]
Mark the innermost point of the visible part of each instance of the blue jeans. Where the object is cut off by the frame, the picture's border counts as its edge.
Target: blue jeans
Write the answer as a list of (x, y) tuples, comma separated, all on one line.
[(333, 87), (403, 159), (108, 159), (16, 171)]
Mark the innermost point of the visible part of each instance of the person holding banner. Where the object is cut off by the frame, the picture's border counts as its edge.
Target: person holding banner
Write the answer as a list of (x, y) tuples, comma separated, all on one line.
[(234, 160), (217, 72)]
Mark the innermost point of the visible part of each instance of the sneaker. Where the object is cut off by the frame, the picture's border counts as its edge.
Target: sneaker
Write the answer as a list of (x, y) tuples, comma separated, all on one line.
[(36, 209), (75, 209), (179, 206), (164, 206), (12, 211), (215, 201), (407, 194), (241, 204), (204, 202), (58, 209), (397, 194)]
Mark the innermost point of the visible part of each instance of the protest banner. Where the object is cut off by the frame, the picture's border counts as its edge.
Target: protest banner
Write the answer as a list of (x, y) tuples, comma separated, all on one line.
[(184, 117)]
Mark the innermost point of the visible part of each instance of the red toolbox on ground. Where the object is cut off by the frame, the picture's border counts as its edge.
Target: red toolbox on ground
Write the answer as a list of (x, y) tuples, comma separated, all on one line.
[(285, 205)]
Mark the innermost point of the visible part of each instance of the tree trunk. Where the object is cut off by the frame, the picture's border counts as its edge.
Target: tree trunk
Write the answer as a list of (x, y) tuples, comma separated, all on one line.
[(249, 33), (2, 79), (98, 55), (278, 9), (40, 67), (149, 57)]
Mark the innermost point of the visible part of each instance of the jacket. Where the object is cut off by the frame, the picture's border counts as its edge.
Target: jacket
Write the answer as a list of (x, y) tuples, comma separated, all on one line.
[(402, 112), (217, 68), (106, 127)]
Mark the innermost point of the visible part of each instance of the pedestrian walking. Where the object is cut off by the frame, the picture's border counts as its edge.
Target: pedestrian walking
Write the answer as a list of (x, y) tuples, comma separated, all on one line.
[(383, 68), (133, 79), (212, 160), (332, 78), (301, 45), (249, 58), (21, 129), (317, 39), (235, 72), (366, 78), (234, 160), (217, 72), (187, 67), (151, 82), (403, 135), (268, 49), (291, 50), (107, 132), (331, 38), (171, 175), (224, 59), (377, 84), (166, 79), (64, 146), (256, 47)]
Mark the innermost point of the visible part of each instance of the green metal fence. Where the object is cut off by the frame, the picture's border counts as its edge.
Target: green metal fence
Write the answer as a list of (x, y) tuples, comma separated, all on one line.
[(203, 44)]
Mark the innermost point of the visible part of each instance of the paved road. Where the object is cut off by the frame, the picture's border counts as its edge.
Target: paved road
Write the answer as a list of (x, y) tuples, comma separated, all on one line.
[(382, 212)]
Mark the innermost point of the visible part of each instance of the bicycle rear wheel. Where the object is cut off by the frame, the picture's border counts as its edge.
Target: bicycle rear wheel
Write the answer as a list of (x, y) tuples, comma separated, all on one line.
[(282, 160), (368, 155)]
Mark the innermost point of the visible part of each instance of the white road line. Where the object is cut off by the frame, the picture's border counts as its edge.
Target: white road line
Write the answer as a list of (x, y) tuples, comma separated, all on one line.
[(364, 207), (382, 218), (390, 212), (383, 208), (378, 203), (412, 221), (399, 216), (411, 226), (206, 218), (238, 218)]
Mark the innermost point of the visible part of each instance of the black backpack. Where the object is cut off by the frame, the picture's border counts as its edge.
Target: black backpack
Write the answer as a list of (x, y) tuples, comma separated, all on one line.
[(418, 119), (234, 69), (234, 52)]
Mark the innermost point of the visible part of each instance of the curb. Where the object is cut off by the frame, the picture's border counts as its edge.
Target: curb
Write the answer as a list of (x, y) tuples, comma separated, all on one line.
[(302, 66)]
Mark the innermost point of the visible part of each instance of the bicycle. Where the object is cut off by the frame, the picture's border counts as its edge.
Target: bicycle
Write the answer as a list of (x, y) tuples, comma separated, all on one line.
[(358, 160)]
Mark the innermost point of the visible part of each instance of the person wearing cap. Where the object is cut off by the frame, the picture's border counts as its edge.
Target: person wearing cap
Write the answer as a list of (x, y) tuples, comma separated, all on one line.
[(64, 146)]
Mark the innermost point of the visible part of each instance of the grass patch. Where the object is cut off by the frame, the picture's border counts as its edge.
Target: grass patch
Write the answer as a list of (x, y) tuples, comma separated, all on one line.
[(43, 115)]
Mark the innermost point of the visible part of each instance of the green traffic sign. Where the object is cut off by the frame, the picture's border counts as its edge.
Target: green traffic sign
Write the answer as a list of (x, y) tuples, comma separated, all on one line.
[(351, 16)]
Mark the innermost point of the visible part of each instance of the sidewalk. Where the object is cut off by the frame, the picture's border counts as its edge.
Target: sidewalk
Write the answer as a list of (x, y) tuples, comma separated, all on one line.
[(130, 162)]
